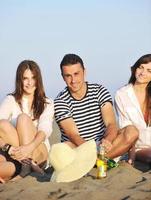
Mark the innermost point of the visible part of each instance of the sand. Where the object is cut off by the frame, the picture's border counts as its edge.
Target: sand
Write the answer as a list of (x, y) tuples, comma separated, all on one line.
[(122, 183)]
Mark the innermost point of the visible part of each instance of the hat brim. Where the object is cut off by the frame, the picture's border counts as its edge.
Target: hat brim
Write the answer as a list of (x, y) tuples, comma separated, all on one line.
[(84, 161)]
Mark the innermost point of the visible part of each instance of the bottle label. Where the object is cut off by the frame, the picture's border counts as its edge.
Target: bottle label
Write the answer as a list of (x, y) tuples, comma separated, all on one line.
[(102, 168)]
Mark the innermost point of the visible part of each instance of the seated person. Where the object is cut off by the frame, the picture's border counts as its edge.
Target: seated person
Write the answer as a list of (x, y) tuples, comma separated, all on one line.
[(84, 111), (133, 103), (25, 124)]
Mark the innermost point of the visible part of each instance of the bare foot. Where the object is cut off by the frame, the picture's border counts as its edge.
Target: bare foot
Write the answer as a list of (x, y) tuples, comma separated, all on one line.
[(16, 178), (26, 170), (130, 161), (2, 180), (36, 168)]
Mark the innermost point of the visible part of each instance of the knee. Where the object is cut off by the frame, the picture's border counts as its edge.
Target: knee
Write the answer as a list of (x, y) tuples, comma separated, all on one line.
[(23, 119), (4, 123), (131, 134), (5, 128)]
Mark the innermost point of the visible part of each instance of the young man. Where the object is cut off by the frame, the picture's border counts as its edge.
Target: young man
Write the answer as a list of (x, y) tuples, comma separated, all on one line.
[(84, 111)]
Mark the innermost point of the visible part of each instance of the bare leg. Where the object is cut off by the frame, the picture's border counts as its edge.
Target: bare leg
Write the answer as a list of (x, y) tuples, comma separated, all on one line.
[(131, 155), (144, 155), (7, 169), (2, 180), (8, 133), (26, 133), (124, 141)]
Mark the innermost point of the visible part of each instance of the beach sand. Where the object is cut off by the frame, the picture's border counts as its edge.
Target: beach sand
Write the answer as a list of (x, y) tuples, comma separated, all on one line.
[(122, 183)]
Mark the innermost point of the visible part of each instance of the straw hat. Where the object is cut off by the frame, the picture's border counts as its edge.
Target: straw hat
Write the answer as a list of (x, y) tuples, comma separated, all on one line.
[(71, 164)]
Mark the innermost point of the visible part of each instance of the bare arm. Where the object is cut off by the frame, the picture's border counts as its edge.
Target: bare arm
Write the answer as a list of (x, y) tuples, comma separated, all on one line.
[(71, 130), (110, 122), (24, 151)]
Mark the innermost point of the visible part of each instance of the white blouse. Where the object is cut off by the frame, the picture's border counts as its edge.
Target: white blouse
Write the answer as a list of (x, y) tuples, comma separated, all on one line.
[(9, 109), (129, 113)]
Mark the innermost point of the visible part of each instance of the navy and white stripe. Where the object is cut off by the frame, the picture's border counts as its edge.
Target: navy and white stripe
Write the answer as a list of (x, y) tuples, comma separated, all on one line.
[(85, 112)]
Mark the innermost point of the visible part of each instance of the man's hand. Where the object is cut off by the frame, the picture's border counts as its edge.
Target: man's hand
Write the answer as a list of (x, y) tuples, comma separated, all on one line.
[(107, 145)]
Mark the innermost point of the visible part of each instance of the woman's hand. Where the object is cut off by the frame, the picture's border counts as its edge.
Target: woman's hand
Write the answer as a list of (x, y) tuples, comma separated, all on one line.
[(11, 151), (21, 152)]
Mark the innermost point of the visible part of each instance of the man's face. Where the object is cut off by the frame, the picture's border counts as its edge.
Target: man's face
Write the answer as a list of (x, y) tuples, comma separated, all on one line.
[(74, 76)]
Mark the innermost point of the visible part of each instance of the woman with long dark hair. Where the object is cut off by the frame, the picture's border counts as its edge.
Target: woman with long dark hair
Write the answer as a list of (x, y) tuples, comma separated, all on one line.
[(133, 103), (26, 117)]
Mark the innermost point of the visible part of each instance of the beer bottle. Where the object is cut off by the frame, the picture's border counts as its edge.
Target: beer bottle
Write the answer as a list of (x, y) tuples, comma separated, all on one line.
[(101, 163)]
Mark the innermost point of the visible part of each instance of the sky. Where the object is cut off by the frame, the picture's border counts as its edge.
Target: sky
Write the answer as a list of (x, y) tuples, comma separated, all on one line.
[(108, 35)]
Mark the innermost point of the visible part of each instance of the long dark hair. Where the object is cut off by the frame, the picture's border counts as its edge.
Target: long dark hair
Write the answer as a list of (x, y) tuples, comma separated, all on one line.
[(145, 59), (39, 100)]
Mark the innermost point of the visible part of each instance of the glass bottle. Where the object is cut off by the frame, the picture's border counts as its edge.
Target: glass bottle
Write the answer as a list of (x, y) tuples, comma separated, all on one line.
[(101, 163)]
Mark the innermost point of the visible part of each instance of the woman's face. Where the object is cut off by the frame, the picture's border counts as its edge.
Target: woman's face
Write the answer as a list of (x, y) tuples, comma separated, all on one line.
[(29, 82), (143, 73)]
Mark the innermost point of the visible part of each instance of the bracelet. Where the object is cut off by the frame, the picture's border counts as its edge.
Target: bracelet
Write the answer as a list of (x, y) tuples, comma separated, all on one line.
[(6, 148)]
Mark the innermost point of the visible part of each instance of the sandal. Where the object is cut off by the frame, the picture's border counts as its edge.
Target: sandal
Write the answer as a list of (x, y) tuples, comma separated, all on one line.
[(36, 168), (25, 170)]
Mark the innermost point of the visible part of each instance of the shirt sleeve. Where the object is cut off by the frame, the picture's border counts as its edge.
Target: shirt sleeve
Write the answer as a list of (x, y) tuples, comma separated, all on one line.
[(104, 96), (62, 110), (6, 107), (45, 121), (120, 109)]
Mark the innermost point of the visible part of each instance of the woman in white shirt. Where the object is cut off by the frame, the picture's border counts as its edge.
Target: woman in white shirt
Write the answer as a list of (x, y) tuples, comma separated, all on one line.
[(133, 103), (26, 117)]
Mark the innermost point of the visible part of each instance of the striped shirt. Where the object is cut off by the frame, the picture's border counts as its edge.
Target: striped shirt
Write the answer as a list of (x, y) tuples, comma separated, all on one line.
[(86, 112)]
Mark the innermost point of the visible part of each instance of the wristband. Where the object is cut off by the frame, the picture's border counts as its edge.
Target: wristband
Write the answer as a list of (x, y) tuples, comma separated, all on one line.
[(6, 148)]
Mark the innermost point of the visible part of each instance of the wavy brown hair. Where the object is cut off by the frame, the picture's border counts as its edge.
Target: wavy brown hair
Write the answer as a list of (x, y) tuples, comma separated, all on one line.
[(39, 100), (145, 59)]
